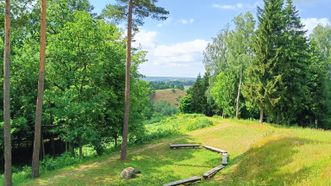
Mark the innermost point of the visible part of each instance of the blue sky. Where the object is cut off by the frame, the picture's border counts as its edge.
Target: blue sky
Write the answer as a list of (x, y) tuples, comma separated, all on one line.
[(175, 46)]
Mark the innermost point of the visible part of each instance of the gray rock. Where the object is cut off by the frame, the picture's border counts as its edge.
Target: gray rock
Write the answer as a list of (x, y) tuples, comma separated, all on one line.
[(129, 173)]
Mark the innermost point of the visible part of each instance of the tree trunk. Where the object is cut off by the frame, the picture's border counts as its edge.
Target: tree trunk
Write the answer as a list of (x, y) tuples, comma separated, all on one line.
[(37, 130), (42, 146), (261, 116), (52, 146), (6, 99), (80, 151), (238, 95), (127, 85), (115, 141)]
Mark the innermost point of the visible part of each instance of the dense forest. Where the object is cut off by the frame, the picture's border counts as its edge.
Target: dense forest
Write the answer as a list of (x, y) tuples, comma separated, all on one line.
[(268, 68), (84, 85)]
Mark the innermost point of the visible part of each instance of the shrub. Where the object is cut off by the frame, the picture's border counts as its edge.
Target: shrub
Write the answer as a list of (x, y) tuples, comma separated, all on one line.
[(199, 123), (164, 108), (66, 159)]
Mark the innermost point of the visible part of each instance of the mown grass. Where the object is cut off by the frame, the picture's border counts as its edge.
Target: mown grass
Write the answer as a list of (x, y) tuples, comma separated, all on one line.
[(259, 155)]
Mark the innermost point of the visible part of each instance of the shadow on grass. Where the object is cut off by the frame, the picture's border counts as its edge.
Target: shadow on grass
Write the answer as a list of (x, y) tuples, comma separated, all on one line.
[(263, 165), (158, 165)]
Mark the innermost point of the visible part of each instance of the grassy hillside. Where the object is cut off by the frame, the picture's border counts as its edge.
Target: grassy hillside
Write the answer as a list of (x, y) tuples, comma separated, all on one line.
[(171, 96), (259, 155)]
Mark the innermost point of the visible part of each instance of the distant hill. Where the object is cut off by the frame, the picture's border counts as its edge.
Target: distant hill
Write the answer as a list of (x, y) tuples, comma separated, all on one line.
[(170, 82), (171, 96), (155, 78)]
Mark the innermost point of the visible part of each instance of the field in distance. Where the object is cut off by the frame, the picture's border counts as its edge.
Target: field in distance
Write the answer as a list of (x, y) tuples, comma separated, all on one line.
[(171, 96)]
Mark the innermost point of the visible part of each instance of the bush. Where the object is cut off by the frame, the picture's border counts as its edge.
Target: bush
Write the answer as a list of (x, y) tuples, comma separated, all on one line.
[(164, 108), (199, 124), (64, 160)]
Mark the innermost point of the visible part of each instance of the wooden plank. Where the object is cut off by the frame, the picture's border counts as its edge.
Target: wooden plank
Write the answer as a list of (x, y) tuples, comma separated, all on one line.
[(173, 146), (212, 171), (214, 149), (188, 180)]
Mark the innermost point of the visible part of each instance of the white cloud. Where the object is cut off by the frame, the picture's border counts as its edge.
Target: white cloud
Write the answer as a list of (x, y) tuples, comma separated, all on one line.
[(311, 23), (179, 54), (236, 6), (186, 21), (145, 39), (178, 59)]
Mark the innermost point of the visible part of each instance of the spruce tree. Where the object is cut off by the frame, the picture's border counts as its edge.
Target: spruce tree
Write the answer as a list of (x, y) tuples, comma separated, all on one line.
[(261, 88), (293, 65)]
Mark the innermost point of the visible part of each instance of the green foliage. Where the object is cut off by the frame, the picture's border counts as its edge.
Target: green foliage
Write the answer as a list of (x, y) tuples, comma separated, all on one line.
[(141, 9), (196, 100), (226, 58), (84, 86), (282, 73), (175, 125), (199, 124), (64, 160), (164, 108)]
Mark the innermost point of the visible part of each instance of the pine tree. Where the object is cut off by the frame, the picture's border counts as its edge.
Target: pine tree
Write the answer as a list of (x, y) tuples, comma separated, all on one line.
[(134, 11), (6, 100), (38, 119)]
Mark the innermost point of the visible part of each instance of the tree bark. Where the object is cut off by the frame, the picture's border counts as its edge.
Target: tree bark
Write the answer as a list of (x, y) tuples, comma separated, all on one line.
[(52, 145), (238, 95), (6, 100), (37, 130), (127, 85), (42, 154), (261, 116), (80, 151), (115, 141)]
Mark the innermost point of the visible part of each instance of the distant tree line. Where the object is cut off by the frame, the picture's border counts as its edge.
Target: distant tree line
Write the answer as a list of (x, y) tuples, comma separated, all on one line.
[(273, 71), (157, 85)]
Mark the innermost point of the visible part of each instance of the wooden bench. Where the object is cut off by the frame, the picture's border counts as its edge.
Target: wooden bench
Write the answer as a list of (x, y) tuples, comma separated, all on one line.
[(212, 172), (214, 149), (175, 146), (184, 181)]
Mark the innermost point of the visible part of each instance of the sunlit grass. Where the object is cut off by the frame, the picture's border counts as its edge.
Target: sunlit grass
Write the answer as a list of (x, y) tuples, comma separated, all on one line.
[(259, 155)]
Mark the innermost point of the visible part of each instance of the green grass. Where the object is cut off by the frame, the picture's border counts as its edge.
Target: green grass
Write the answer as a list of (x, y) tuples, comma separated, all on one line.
[(259, 155)]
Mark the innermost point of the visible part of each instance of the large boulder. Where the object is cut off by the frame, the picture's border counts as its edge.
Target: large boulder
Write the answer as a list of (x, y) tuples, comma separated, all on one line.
[(129, 173)]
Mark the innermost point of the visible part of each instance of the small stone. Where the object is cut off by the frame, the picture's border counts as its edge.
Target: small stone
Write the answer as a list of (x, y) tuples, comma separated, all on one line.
[(129, 173)]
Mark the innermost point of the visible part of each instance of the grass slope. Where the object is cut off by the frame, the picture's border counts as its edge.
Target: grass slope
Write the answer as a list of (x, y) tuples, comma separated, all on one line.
[(169, 95), (259, 155)]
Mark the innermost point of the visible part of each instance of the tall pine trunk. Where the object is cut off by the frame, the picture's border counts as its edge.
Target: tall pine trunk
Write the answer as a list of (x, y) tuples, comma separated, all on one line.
[(39, 104), (127, 85), (238, 94), (6, 99), (261, 115)]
